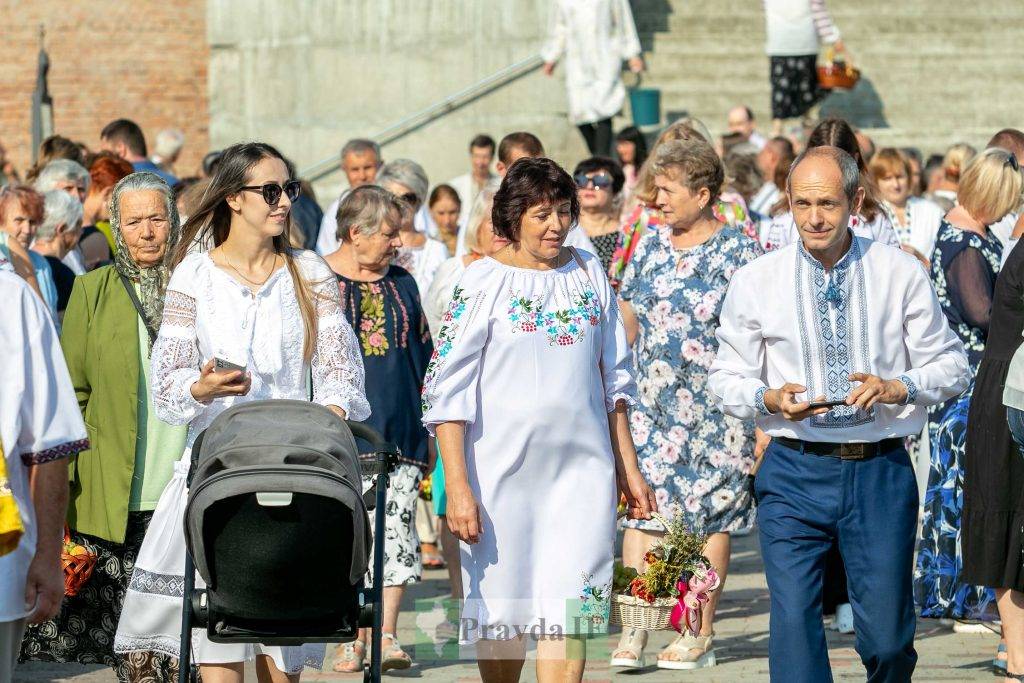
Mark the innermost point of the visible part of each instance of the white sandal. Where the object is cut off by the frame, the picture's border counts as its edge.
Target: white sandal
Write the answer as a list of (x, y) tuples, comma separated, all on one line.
[(632, 644), (684, 648), (393, 657), (347, 659)]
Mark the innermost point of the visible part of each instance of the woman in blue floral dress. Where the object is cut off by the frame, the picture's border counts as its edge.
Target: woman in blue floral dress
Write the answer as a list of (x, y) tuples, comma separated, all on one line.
[(696, 458), (963, 269)]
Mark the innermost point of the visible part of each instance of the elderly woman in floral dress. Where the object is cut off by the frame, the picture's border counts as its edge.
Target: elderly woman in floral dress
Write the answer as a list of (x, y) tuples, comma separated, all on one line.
[(696, 458)]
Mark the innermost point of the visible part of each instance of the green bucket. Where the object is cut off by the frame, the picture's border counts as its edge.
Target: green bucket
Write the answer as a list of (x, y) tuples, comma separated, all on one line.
[(645, 103)]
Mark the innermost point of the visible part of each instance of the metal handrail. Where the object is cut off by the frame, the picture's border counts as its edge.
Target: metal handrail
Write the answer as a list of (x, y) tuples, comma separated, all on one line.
[(435, 111)]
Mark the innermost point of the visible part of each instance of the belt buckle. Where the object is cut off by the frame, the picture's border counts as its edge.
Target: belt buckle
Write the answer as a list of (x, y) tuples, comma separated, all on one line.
[(853, 451)]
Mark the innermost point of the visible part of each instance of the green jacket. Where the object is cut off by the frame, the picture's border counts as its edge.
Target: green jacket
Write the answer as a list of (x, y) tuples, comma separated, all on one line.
[(101, 346)]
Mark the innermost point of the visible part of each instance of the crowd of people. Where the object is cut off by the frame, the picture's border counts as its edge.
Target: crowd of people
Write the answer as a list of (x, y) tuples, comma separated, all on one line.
[(797, 331)]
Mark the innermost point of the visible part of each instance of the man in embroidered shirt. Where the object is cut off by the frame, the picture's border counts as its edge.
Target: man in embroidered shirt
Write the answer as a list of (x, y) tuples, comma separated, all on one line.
[(40, 428), (840, 318)]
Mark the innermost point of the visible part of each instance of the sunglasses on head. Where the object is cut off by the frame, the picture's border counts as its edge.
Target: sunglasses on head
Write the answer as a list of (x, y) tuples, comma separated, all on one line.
[(601, 181), (1011, 161), (409, 198), (272, 191)]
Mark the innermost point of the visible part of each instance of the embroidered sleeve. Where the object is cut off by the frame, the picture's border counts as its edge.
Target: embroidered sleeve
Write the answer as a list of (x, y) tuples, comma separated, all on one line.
[(616, 355), (64, 450), (450, 384), (759, 401), (735, 379), (911, 389), (937, 363), (175, 361), (338, 375)]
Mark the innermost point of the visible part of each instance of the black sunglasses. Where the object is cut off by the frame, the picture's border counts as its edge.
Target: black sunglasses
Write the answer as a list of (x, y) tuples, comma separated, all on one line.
[(1011, 161), (410, 198), (601, 181), (272, 191)]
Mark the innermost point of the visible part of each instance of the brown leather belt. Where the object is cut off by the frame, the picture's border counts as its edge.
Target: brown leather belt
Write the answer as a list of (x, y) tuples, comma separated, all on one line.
[(843, 451)]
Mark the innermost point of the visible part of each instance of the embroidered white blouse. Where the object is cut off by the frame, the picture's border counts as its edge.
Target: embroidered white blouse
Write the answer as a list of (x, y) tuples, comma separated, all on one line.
[(781, 230), (209, 314), (922, 224), (39, 419), (874, 312), (422, 262)]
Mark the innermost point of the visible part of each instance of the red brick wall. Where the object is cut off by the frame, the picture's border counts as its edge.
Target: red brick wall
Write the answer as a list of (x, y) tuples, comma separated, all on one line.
[(145, 60)]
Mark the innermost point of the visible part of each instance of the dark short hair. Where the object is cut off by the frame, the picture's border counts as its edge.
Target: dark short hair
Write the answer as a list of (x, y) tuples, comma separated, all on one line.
[(632, 134), (128, 132), (528, 183), (482, 140), (594, 164), (528, 142)]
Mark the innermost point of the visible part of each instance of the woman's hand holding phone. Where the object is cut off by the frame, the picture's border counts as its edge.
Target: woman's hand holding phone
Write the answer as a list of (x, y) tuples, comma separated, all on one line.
[(213, 383)]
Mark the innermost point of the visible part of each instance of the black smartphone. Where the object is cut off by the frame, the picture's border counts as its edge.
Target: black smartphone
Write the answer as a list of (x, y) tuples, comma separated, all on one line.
[(827, 404), (221, 365)]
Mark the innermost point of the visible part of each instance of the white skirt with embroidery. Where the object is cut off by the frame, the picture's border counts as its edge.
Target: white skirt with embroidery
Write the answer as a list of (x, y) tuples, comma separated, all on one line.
[(151, 616)]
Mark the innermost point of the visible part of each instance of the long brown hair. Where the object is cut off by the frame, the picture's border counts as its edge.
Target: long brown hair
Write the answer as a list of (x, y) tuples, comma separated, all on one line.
[(836, 132), (210, 223)]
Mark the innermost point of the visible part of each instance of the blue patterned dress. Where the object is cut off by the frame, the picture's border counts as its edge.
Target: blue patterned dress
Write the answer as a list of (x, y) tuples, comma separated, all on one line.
[(696, 458), (938, 590)]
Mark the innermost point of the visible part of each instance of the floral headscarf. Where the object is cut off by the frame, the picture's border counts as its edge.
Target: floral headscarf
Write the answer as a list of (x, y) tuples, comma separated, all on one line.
[(152, 281)]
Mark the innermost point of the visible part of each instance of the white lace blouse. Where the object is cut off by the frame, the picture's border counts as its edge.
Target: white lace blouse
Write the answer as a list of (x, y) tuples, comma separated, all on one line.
[(209, 314)]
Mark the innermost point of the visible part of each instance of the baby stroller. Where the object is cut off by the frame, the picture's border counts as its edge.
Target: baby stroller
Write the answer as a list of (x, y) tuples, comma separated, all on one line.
[(277, 526)]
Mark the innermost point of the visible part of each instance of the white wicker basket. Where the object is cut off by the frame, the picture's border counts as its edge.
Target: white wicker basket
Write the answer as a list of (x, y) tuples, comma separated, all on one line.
[(633, 612)]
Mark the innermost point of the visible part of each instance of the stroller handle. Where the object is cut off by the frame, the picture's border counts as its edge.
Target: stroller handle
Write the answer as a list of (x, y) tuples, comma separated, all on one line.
[(366, 433)]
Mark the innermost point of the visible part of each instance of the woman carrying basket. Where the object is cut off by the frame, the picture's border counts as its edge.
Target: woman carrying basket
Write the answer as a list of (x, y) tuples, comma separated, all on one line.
[(527, 392), (254, 302)]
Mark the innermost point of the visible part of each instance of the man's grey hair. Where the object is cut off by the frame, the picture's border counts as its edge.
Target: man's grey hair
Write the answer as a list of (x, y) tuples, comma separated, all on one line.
[(360, 146), (365, 209), (58, 171), (405, 172), (59, 208), (846, 163), (168, 143)]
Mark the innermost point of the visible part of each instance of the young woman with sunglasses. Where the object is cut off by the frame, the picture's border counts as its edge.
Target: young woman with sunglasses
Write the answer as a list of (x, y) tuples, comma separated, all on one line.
[(274, 311), (598, 182)]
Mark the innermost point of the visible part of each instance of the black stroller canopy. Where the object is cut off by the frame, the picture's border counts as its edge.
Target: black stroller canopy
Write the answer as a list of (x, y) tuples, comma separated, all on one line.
[(276, 446)]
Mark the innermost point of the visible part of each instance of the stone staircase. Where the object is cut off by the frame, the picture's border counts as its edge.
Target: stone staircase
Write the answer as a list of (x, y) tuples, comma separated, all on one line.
[(934, 72)]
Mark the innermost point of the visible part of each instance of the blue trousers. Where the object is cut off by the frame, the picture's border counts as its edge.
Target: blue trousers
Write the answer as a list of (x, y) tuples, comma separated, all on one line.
[(805, 501)]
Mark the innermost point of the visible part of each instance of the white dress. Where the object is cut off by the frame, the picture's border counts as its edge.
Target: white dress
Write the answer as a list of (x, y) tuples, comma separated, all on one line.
[(209, 314), (436, 301), (595, 36), (422, 262), (533, 361)]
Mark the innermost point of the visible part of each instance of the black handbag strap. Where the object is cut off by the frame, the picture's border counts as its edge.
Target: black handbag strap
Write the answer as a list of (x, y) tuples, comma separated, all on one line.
[(138, 307)]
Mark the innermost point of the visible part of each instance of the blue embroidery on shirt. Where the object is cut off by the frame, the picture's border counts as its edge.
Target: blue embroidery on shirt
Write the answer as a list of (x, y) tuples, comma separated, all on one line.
[(833, 351), (911, 389), (759, 401)]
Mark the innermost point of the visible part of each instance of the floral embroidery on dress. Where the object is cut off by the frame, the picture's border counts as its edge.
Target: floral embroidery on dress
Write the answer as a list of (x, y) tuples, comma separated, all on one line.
[(594, 602), (372, 330), (563, 327), (445, 337)]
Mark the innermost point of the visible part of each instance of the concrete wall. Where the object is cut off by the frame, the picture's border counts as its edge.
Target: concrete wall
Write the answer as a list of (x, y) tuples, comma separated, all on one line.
[(144, 60), (935, 72), (308, 75)]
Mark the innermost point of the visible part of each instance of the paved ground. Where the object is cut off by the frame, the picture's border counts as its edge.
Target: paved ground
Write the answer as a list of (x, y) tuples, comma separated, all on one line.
[(741, 645)]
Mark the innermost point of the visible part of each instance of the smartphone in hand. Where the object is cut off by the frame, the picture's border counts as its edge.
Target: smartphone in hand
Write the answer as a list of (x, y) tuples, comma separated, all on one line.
[(221, 365), (827, 404)]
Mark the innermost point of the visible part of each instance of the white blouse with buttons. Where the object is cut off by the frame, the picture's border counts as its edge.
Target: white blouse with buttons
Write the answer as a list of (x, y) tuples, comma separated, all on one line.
[(208, 314)]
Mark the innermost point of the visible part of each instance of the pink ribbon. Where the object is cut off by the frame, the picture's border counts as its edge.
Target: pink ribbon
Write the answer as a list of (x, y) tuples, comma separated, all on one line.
[(693, 595)]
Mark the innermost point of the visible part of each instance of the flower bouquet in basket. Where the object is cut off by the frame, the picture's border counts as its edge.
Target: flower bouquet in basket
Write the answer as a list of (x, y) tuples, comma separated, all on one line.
[(674, 588)]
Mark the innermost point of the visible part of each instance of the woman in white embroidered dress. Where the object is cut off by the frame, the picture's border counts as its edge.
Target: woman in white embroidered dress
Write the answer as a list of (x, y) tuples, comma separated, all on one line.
[(252, 301), (915, 219), (527, 393)]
